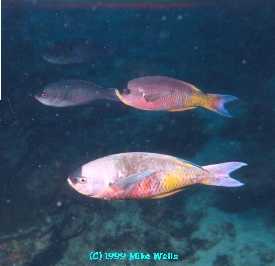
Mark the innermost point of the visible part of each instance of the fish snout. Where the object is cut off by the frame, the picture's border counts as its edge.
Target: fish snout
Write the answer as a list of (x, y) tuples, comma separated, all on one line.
[(75, 176), (37, 93), (72, 180), (35, 96)]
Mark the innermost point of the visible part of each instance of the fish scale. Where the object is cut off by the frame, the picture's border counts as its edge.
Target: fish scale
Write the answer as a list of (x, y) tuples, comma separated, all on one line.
[(146, 188)]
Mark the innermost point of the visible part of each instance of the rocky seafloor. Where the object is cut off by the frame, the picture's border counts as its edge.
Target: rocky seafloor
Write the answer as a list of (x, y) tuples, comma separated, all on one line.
[(44, 222)]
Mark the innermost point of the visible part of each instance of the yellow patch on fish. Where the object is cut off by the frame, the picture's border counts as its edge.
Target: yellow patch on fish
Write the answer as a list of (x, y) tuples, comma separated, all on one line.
[(200, 99), (172, 180)]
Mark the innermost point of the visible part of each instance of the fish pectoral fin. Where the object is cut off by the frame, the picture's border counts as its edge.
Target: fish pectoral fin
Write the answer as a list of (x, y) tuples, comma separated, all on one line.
[(155, 96), (181, 109), (128, 181)]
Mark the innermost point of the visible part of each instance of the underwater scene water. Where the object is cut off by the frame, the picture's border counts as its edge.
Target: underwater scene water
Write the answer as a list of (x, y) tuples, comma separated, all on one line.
[(71, 95)]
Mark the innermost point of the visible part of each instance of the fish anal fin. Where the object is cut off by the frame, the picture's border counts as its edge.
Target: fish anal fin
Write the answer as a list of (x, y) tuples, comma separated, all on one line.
[(181, 109), (164, 195)]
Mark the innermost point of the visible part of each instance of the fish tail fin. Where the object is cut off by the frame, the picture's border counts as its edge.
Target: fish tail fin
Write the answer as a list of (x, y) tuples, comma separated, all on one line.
[(216, 103), (220, 174)]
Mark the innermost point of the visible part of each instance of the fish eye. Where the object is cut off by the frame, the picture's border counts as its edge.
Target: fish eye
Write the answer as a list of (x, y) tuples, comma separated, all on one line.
[(44, 94), (82, 180)]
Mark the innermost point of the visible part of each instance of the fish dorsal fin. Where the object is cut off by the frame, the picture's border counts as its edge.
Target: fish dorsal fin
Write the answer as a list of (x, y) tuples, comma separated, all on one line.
[(194, 88), (189, 164), (152, 97), (128, 181)]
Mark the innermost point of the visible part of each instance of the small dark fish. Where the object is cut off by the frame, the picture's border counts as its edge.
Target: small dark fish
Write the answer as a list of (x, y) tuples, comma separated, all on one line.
[(73, 93), (74, 52)]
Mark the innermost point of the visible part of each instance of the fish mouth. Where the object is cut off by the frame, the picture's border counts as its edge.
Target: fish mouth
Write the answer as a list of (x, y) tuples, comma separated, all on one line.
[(44, 101), (69, 181), (38, 98), (121, 97), (72, 180), (72, 183)]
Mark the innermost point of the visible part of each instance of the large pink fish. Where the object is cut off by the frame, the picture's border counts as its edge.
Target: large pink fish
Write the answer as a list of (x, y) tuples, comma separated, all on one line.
[(158, 93), (139, 175)]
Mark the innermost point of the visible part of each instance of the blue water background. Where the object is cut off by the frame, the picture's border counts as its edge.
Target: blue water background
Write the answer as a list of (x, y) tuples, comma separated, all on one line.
[(220, 49)]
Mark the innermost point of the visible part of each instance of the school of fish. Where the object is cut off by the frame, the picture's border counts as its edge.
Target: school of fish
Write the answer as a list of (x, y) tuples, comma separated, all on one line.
[(136, 175)]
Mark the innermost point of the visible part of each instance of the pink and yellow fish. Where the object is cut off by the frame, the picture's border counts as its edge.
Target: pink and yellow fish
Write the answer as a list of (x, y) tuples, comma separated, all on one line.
[(160, 93), (140, 175)]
